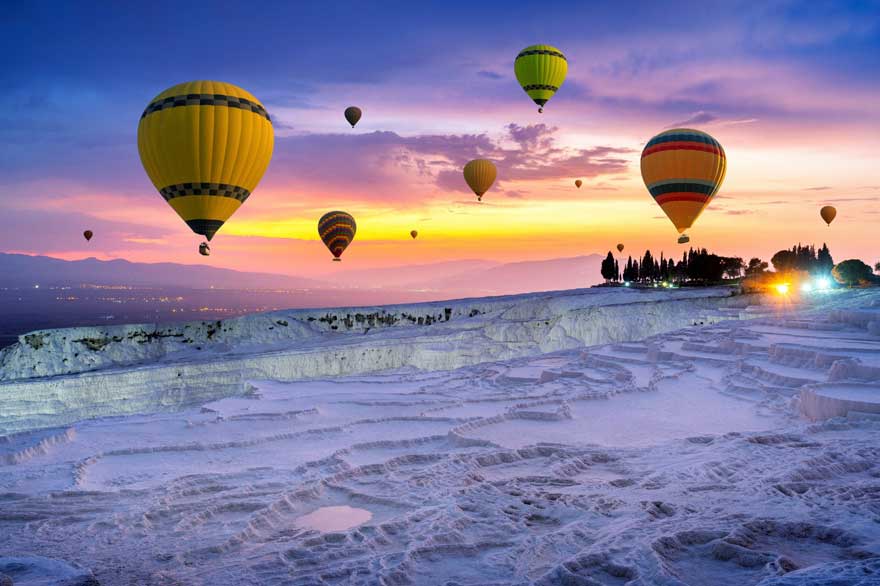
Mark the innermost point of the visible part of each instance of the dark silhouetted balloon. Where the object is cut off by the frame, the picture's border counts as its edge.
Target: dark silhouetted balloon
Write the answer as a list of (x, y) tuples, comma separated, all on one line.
[(353, 114), (88, 235), (828, 214)]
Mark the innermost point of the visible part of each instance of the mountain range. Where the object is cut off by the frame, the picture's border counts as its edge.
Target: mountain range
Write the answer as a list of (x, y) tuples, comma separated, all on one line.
[(446, 279)]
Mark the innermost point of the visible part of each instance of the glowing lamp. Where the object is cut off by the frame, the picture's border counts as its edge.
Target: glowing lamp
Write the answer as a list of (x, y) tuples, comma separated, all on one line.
[(782, 288)]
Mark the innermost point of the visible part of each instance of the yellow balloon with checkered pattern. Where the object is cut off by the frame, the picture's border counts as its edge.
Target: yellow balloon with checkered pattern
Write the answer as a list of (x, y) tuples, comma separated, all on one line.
[(205, 146)]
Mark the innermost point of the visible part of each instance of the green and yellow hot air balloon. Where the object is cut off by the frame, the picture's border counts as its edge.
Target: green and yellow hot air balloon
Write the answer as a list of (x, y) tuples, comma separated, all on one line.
[(540, 70), (683, 169), (205, 145), (480, 174)]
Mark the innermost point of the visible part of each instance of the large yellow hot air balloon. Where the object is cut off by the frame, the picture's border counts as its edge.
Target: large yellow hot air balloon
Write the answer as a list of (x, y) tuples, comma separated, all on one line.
[(683, 169), (578, 183), (205, 145), (480, 175), (828, 214), (337, 230), (540, 70)]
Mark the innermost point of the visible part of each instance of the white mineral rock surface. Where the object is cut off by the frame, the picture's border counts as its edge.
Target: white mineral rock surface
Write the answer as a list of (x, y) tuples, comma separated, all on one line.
[(591, 438)]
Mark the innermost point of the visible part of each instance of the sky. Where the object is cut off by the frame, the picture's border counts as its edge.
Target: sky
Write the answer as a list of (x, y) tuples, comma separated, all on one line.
[(790, 89)]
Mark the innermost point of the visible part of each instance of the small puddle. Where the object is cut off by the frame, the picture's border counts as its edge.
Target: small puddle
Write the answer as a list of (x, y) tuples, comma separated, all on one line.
[(334, 518)]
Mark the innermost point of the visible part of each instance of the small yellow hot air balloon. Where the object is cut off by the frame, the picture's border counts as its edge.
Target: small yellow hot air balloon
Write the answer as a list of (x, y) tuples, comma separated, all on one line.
[(578, 183), (828, 214), (540, 70), (414, 233), (205, 146), (683, 169), (620, 248), (480, 175)]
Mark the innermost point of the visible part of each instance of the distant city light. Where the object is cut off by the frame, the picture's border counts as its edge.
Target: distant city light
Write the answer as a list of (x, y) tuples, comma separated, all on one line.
[(782, 288), (626, 283), (36, 286)]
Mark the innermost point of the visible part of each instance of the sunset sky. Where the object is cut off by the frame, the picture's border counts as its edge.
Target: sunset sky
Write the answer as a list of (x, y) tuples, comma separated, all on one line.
[(791, 89)]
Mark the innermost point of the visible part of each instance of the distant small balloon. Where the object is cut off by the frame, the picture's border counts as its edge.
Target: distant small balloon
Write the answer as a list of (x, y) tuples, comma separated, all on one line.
[(87, 235), (578, 183), (204, 249), (620, 248), (353, 114), (828, 214), (414, 233)]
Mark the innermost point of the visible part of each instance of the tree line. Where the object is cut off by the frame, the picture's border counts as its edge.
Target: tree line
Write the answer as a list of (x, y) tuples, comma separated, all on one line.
[(697, 266)]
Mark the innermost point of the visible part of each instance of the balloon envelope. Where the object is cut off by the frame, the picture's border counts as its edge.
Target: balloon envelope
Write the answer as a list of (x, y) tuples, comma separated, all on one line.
[(540, 70), (414, 233), (683, 169), (828, 214), (480, 175), (87, 235), (352, 115), (337, 230), (578, 183), (205, 146)]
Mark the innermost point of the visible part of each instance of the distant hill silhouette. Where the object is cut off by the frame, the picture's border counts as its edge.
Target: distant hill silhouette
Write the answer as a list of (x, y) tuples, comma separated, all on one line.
[(21, 270), (465, 278)]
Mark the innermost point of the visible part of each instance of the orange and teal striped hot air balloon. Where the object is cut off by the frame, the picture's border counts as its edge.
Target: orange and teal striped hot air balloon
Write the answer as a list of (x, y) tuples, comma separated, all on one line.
[(683, 169), (337, 230)]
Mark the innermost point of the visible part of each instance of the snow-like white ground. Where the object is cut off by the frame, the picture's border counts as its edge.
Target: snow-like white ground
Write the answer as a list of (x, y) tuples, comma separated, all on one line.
[(696, 456)]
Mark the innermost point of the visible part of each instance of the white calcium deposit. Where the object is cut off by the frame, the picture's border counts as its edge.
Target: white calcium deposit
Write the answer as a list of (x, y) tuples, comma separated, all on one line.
[(540, 441)]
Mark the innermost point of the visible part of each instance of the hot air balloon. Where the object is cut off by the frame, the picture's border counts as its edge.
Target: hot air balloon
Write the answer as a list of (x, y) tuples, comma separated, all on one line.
[(683, 169), (480, 175), (204, 249), (620, 248), (337, 230), (540, 70), (87, 235), (578, 183), (205, 145), (828, 214), (353, 114), (414, 233)]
